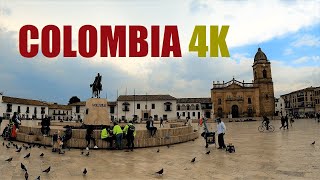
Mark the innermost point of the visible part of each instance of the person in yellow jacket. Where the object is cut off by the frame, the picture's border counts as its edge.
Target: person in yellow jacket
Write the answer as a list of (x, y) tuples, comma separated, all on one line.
[(117, 131), (106, 135), (130, 132)]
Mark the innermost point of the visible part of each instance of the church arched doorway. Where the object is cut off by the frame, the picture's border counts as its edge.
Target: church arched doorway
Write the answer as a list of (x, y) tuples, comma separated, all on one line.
[(235, 111)]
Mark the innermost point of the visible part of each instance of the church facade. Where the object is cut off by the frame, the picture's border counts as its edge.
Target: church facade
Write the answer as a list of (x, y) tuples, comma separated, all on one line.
[(241, 99)]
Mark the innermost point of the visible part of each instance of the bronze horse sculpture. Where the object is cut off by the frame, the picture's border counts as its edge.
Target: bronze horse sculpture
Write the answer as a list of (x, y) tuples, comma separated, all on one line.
[(96, 86)]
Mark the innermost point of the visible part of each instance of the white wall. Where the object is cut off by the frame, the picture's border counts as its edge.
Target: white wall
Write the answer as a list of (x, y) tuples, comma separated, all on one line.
[(159, 109), (23, 109), (53, 114), (190, 111), (83, 112), (280, 107)]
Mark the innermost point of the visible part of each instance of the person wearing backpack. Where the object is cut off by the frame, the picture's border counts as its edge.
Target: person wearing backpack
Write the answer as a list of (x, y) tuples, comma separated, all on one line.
[(130, 132)]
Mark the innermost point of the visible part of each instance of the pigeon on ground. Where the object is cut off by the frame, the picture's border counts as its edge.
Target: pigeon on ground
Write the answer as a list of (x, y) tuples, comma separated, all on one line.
[(38, 178), (41, 155), (313, 142), (82, 152), (23, 167), (19, 149), (26, 175), (158, 150), (208, 152), (9, 160), (7, 146), (84, 171), (2, 143), (47, 170), (193, 160), (27, 156), (87, 154), (160, 172)]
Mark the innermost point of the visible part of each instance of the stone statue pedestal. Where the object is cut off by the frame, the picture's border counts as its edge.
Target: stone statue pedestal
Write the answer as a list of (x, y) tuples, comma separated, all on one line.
[(97, 112)]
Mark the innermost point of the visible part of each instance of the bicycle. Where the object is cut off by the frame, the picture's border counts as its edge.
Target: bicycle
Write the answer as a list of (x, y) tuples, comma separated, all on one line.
[(262, 128)]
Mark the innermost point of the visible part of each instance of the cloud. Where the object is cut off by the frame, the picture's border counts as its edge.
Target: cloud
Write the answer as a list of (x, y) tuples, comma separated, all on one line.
[(57, 80), (254, 22), (287, 51), (306, 40), (5, 11), (307, 59), (250, 23)]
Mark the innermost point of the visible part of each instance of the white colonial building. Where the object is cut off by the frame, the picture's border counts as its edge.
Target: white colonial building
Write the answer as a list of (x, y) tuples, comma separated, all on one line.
[(144, 106), (26, 108), (194, 108), (60, 112), (279, 107), (78, 110)]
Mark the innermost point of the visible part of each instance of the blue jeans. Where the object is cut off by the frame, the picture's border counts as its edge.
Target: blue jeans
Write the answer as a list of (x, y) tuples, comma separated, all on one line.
[(119, 141)]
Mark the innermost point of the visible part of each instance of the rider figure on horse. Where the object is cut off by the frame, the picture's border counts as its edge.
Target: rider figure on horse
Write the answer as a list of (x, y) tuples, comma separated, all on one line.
[(96, 86)]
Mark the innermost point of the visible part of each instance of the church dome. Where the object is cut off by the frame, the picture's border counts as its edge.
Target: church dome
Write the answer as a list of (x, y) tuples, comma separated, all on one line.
[(260, 55)]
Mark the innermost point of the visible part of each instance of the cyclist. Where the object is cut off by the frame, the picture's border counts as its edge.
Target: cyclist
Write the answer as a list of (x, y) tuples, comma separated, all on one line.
[(266, 122)]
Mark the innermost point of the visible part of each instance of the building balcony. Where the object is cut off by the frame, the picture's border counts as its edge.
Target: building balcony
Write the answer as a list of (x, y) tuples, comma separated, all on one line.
[(168, 110), (9, 110), (125, 109), (57, 114)]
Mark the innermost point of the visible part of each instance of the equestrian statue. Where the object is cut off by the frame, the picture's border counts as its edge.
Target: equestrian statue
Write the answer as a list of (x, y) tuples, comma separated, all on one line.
[(96, 86)]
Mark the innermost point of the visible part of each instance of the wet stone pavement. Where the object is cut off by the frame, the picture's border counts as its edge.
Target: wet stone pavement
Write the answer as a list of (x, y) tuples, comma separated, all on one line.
[(282, 154)]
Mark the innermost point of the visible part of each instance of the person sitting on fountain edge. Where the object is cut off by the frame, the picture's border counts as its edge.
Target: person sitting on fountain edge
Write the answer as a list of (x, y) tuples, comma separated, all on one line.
[(89, 138), (106, 135), (150, 127)]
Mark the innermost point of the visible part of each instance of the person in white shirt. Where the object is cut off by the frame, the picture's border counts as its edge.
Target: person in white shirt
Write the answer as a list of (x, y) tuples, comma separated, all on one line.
[(221, 130)]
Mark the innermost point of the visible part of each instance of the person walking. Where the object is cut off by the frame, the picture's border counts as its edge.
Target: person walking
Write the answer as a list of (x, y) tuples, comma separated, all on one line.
[(117, 131), (286, 119), (282, 122), (221, 130), (291, 121), (0, 121), (89, 138)]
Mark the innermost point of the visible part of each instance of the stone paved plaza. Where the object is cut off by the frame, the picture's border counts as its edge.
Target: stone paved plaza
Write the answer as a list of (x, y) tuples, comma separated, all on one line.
[(282, 154)]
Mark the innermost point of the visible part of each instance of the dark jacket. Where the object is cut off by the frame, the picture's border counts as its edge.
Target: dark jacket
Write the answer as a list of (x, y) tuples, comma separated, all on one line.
[(68, 132)]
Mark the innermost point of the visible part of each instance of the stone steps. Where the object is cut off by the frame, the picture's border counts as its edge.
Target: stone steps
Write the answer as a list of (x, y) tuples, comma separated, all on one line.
[(139, 142), (142, 134)]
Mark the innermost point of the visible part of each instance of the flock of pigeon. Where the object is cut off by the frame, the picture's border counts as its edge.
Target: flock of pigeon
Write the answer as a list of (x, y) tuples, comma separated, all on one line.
[(24, 168), (29, 146), (193, 160)]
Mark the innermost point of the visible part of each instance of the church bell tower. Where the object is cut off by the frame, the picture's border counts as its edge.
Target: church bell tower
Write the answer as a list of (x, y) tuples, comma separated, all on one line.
[(263, 80)]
